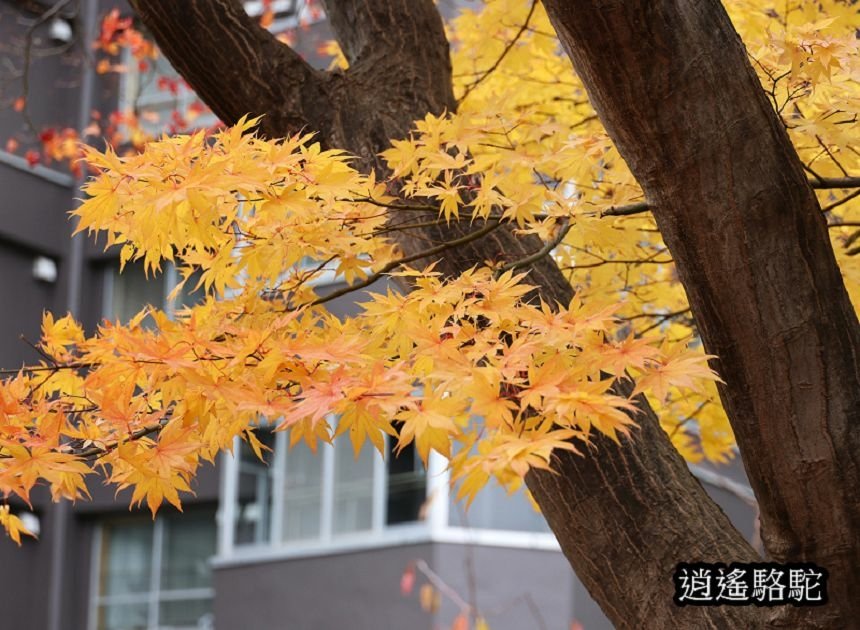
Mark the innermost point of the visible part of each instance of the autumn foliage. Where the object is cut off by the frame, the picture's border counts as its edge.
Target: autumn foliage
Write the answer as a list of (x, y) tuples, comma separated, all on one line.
[(478, 367)]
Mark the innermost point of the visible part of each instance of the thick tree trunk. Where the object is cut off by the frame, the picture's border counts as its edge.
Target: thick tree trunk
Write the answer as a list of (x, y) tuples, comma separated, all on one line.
[(624, 515), (671, 82)]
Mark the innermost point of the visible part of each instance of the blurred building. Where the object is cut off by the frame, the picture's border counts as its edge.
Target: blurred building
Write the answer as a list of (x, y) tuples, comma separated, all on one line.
[(301, 541)]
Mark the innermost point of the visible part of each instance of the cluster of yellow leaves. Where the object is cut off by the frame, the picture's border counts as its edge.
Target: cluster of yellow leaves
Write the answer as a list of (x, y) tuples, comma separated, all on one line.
[(450, 364), (526, 145), (242, 210), (807, 55)]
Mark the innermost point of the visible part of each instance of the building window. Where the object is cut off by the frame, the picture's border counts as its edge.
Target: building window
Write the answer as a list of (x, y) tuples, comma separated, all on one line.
[(406, 485), (302, 496), (155, 575), (254, 493), (127, 292), (161, 99), (493, 508), (297, 502), (296, 496)]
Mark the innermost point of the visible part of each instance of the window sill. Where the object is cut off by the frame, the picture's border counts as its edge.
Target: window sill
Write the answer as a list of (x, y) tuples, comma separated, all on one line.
[(392, 537)]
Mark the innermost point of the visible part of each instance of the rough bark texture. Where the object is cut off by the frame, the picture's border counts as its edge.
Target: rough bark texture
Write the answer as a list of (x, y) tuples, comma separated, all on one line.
[(623, 515), (671, 81)]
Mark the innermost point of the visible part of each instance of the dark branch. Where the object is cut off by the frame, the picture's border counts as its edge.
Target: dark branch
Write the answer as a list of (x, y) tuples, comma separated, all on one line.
[(236, 66)]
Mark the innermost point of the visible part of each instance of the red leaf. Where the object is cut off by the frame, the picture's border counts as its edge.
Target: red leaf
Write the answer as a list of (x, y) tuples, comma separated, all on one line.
[(461, 622), (407, 580)]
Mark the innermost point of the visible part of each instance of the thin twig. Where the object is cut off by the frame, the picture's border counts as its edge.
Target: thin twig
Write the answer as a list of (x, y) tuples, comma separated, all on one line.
[(543, 251), (492, 225), (839, 202), (831, 156), (504, 54), (436, 580), (28, 51), (624, 211), (100, 451)]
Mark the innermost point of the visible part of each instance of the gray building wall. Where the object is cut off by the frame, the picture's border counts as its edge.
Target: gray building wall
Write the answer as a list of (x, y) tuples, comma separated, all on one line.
[(513, 588), (358, 590)]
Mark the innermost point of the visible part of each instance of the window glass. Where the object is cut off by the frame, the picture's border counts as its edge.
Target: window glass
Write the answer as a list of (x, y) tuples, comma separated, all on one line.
[(123, 617), (186, 613), (127, 292), (302, 493), (254, 492), (353, 486), (191, 294), (126, 558), (131, 290), (406, 485), (325, 494), (494, 508), (156, 575), (189, 542)]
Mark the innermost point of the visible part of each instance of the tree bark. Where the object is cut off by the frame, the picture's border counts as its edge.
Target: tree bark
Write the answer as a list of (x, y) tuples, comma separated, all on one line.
[(624, 515), (672, 84)]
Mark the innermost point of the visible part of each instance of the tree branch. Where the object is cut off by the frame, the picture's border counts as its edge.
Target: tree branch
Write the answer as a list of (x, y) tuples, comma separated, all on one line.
[(236, 66), (425, 254), (550, 245)]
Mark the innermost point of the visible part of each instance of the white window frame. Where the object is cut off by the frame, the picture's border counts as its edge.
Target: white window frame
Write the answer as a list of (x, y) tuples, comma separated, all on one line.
[(434, 528), (153, 597), (379, 529)]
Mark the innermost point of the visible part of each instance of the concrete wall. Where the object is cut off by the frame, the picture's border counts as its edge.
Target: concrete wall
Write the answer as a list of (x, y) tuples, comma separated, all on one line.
[(513, 588), (359, 591)]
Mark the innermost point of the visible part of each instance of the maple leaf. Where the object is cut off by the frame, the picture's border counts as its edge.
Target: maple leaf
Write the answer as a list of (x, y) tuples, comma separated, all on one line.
[(626, 354), (13, 525), (158, 471), (679, 367), (431, 423), (407, 580)]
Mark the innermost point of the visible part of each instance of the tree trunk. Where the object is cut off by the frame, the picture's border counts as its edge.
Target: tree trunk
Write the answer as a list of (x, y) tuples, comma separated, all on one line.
[(624, 515), (672, 84)]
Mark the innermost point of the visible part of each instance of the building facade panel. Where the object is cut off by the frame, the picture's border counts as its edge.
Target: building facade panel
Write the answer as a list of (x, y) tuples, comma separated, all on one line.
[(513, 588), (356, 590)]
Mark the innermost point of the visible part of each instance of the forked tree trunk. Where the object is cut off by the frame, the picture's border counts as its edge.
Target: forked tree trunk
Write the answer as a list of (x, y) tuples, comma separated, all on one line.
[(624, 516)]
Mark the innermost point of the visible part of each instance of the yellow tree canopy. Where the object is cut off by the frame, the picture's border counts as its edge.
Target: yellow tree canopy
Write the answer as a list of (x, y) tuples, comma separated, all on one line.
[(477, 367)]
